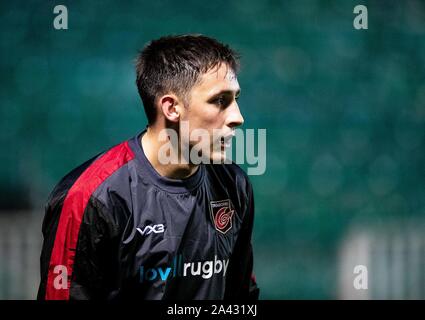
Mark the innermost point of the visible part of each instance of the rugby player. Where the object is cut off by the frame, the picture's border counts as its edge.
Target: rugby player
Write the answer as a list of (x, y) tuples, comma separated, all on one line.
[(126, 225)]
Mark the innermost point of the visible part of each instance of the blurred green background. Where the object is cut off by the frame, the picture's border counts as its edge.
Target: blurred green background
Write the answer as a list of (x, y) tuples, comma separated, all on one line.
[(344, 111)]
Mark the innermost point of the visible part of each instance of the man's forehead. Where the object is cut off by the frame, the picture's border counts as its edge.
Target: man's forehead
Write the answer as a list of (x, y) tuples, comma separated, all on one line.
[(221, 78), (221, 72)]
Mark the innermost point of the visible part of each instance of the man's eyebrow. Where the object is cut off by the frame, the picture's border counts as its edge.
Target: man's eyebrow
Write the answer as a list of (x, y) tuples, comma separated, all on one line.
[(226, 92)]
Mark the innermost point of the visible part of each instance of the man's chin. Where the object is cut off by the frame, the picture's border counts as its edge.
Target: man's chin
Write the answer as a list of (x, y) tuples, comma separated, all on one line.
[(215, 157), (218, 157)]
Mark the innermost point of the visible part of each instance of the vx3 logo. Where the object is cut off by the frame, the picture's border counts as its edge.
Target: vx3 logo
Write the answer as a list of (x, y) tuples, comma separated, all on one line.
[(156, 228)]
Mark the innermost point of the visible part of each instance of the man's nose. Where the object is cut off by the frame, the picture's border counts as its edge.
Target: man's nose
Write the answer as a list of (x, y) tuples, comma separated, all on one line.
[(235, 118)]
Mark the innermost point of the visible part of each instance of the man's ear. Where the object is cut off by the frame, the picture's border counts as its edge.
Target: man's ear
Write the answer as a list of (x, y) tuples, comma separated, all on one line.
[(169, 105)]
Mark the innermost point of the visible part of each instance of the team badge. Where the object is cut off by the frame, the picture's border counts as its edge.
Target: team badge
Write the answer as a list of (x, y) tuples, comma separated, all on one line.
[(221, 215)]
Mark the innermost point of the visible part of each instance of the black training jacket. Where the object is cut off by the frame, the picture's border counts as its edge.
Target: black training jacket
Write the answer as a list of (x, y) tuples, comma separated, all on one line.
[(115, 229)]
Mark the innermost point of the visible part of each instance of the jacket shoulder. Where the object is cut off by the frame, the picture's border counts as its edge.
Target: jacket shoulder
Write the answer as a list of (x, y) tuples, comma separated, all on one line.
[(83, 180)]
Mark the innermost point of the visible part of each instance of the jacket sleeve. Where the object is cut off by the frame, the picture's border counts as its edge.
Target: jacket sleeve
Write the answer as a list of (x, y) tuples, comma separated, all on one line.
[(95, 268), (89, 264), (240, 281)]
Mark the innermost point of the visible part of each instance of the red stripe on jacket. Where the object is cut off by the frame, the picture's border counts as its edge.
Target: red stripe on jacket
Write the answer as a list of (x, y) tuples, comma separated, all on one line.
[(64, 247)]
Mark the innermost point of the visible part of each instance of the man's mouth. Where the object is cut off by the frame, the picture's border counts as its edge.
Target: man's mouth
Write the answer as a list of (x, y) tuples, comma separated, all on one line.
[(226, 140)]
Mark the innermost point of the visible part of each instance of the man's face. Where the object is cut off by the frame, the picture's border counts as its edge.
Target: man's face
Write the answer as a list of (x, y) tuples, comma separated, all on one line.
[(213, 107)]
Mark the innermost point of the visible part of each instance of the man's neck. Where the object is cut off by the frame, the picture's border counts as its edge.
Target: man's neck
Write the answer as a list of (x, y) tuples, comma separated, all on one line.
[(151, 146)]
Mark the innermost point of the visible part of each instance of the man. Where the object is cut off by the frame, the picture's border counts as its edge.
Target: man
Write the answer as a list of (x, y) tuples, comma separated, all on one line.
[(128, 224)]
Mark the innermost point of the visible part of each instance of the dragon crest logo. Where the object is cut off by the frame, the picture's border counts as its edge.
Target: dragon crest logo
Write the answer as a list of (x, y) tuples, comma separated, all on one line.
[(221, 215)]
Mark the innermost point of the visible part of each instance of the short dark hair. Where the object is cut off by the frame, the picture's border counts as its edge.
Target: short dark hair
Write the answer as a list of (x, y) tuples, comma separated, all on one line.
[(175, 64)]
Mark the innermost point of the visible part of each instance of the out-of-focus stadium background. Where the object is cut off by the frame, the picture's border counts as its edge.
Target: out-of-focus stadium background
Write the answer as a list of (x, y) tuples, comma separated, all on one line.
[(344, 111)]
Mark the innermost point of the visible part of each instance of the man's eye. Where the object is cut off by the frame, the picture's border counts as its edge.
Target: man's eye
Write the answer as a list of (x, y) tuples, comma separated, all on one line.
[(221, 101)]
